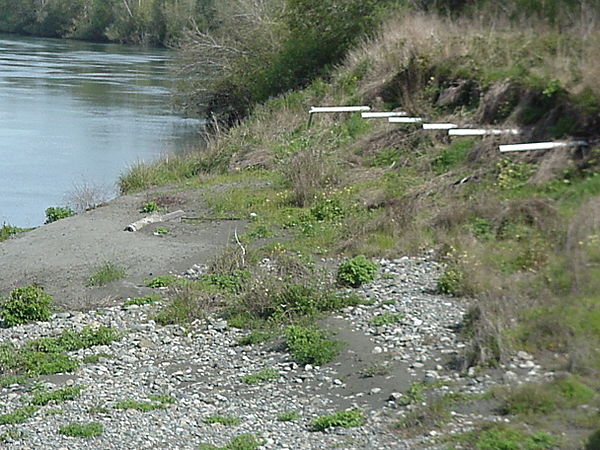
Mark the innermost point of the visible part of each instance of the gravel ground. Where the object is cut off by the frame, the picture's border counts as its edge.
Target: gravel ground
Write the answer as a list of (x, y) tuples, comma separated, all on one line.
[(200, 366)]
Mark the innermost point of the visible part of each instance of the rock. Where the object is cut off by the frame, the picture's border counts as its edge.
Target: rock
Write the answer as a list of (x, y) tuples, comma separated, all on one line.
[(377, 350)]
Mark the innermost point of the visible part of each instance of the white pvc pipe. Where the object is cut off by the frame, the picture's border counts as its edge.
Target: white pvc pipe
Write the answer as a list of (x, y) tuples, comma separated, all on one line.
[(405, 119), (539, 146), (480, 132), (377, 115), (439, 126), (336, 109)]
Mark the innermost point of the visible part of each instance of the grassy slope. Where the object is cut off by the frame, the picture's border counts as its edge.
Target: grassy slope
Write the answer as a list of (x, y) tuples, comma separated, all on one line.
[(520, 236)]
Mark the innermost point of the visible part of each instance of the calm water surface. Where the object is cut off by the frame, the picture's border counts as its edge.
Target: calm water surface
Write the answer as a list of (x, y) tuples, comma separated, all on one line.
[(74, 113)]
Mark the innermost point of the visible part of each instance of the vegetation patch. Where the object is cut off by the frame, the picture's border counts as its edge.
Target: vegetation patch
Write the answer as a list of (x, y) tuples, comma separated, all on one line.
[(19, 415), (70, 340), (106, 273), (242, 442), (500, 437), (7, 231), (309, 345), (357, 271), (386, 319), (26, 304), (343, 419), (141, 301), (157, 402), (223, 420), (57, 396), (163, 281), (263, 376), (59, 212), (288, 416), (82, 430)]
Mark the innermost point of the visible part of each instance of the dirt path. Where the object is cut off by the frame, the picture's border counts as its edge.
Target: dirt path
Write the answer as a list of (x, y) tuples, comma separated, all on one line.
[(61, 256)]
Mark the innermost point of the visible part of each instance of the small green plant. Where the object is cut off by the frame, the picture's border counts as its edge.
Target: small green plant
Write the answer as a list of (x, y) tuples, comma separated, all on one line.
[(105, 274), (451, 281), (223, 420), (59, 212), (453, 156), (161, 231), (242, 442), (150, 207), (415, 394), (58, 396), (481, 228), (10, 380), (255, 337), (374, 370), (232, 283), (140, 301), (7, 231), (70, 340), (505, 437), (310, 345), (261, 377), (18, 415), (288, 416), (82, 430), (163, 281), (54, 412), (26, 304), (512, 175), (386, 319), (356, 271), (157, 402), (12, 435), (344, 419)]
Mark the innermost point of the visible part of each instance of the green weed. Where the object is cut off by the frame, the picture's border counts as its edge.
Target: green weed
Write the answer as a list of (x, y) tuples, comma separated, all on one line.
[(26, 304), (70, 340), (255, 337), (223, 420), (356, 271), (453, 156), (19, 415), (140, 301), (106, 273), (150, 207), (142, 406), (82, 430), (310, 345), (344, 419), (163, 281), (59, 212), (57, 396), (7, 231), (261, 377), (504, 437), (241, 442), (386, 319), (288, 416)]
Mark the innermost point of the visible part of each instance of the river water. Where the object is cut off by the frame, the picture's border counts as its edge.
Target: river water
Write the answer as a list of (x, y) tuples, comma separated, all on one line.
[(75, 114)]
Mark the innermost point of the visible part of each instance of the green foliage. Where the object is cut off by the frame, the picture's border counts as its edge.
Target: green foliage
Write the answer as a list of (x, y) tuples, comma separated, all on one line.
[(310, 345), (344, 419), (327, 209), (386, 319), (94, 359), (223, 420), (82, 430), (157, 402), (163, 281), (261, 377), (255, 337), (42, 363), (140, 301), (384, 157), (453, 156), (7, 231), (26, 304), (242, 442), (150, 207), (506, 437), (161, 231), (59, 212), (106, 273), (357, 271), (481, 228), (185, 308), (232, 283), (57, 396), (593, 441), (70, 340), (536, 398), (19, 415), (451, 281), (288, 416), (512, 175)]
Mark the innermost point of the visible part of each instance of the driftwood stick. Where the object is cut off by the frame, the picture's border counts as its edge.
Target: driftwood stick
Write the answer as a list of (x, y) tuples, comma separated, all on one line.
[(154, 218), (237, 239)]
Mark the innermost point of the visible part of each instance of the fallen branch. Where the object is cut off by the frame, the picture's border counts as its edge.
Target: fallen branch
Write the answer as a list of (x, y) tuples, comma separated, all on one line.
[(154, 218)]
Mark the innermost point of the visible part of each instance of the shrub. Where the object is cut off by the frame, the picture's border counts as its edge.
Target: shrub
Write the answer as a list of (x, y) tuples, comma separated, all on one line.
[(7, 231), (451, 281), (345, 419), (106, 273), (357, 271), (26, 304), (59, 212), (229, 283), (70, 340), (84, 430), (386, 319), (310, 345), (163, 281), (140, 301), (150, 207)]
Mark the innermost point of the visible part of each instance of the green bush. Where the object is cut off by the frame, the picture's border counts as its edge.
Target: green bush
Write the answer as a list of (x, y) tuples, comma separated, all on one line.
[(150, 207), (7, 231), (140, 301), (345, 419), (357, 271), (59, 212), (57, 396), (260, 377), (163, 281), (451, 281), (19, 415), (83, 430), (26, 304), (310, 345), (70, 340)]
